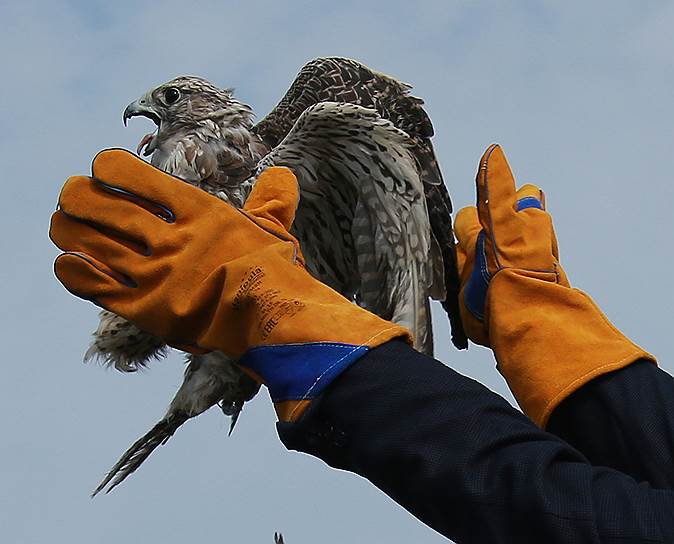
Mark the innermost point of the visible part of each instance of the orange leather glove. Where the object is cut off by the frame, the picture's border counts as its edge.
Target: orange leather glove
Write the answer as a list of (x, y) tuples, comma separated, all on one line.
[(197, 272), (548, 338)]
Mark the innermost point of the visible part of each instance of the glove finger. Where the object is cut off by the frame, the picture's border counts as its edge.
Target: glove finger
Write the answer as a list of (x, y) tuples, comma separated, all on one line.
[(531, 202), (530, 197), (274, 197), (466, 228), (496, 198), (123, 171), (87, 278), (76, 236), (87, 200)]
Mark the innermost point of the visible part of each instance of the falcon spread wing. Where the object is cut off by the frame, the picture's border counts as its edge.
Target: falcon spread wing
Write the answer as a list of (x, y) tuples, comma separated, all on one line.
[(362, 217), (336, 79)]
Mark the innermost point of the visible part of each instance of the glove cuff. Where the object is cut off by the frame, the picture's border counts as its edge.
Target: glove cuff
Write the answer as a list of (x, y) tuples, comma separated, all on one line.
[(550, 340), (295, 374)]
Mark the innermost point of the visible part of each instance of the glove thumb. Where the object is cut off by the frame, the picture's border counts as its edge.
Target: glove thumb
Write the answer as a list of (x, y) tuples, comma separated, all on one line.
[(466, 228), (274, 197)]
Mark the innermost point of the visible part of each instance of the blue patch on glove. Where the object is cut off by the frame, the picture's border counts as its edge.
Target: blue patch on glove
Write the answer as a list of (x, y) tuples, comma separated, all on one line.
[(476, 289), (528, 202), (301, 371)]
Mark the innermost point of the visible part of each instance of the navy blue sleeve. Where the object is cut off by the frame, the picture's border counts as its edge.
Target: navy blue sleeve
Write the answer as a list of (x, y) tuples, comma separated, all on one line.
[(624, 420), (463, 461)]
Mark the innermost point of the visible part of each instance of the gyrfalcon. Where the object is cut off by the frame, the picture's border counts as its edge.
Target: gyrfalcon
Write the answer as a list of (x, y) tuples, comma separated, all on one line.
[(374, 217)]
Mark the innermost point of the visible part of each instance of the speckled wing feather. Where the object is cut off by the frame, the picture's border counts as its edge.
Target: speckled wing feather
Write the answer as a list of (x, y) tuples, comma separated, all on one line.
[(335, 79), (362, 217)]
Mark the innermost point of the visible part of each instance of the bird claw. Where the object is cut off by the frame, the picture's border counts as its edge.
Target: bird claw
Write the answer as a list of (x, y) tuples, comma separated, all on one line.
[(233, 411)]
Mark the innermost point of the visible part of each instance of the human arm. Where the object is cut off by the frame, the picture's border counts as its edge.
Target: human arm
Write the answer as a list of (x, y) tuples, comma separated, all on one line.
[(623, 420), (463, 461), (563, 359), (548, 338)]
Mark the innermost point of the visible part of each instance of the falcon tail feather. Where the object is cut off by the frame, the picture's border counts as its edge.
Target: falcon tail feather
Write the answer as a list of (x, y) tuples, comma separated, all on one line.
[(139, 451)]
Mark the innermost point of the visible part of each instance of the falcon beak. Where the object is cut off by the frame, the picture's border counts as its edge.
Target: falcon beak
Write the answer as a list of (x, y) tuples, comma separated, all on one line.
[(143, 108)]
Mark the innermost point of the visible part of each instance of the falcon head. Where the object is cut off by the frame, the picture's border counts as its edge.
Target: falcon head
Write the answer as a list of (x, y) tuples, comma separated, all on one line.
[(185, 104)]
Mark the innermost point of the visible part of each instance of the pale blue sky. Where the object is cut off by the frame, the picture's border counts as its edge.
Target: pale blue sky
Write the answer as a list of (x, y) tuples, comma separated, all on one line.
[(578, 93)]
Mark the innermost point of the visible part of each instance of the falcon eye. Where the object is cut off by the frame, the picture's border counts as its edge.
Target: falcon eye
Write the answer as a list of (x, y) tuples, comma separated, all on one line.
[(171, 95)]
